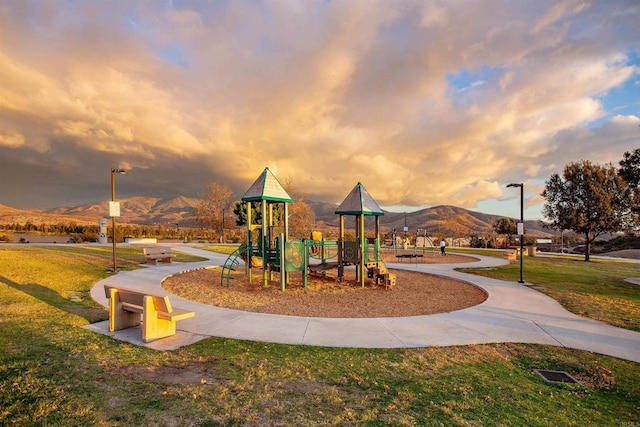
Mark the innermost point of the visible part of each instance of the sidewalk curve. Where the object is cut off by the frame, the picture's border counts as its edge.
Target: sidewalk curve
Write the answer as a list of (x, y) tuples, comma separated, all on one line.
[(511, 313)]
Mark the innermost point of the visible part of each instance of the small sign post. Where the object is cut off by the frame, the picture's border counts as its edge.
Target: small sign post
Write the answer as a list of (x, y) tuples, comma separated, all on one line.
[(114, 211)]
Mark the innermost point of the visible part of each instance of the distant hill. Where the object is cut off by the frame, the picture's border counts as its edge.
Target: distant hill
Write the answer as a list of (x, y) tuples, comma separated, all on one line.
[(432, 220), (10, 215), (150, 211), (139, 210)]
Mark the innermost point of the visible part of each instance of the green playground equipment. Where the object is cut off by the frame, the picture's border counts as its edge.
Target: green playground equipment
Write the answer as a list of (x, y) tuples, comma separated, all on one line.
[(229, 265), (268, 245), (269, 193), (359, 204)]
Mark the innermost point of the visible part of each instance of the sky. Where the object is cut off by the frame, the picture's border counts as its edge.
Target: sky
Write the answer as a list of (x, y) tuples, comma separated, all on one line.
[(425, 103)]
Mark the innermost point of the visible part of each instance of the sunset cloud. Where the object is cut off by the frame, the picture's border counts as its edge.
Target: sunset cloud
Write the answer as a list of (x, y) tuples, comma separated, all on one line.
[(425, 103)]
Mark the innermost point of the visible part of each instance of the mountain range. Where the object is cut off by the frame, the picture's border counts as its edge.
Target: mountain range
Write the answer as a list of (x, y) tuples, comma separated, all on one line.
[(178, 210)]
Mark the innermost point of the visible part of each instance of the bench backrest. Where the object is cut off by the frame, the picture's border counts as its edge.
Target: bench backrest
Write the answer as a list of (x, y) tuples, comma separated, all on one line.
[(156, 250), (137, 298)]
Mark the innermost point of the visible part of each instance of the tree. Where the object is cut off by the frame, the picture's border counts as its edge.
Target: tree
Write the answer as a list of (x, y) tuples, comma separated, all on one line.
[(589, 199), (630, 172), (210, 212), (630, 168), (301, 216), (240, 211), (505, 226)]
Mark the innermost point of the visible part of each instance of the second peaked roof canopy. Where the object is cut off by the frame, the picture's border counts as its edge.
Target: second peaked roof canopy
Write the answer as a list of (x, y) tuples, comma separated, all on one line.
[(359, 202), (267, 187)]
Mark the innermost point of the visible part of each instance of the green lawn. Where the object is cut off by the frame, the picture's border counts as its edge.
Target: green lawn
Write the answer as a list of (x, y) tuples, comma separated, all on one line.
[(223, 249), (53, 372), (594, 289)]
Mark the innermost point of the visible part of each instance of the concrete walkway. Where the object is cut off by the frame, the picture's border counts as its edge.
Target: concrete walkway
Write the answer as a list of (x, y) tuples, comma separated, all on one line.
[(511, 313)]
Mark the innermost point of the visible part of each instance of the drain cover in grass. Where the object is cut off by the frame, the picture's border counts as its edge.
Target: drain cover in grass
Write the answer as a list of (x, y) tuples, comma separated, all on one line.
[(555, 376)]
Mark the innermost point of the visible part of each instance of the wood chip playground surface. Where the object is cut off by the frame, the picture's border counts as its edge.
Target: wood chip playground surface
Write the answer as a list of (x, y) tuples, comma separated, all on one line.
[(414, 293)]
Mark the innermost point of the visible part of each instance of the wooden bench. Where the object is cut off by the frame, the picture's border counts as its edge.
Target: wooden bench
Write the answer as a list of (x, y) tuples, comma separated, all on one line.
[(154, 314), (158, 253)]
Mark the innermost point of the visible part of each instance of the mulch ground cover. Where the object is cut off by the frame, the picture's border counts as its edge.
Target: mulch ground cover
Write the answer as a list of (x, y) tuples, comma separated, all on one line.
[(325, 296)]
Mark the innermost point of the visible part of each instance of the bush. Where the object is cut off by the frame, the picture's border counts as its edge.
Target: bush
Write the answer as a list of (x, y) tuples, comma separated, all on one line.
[(622, 242)]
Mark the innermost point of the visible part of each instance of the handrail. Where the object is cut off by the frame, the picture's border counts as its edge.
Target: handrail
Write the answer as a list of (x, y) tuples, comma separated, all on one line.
[(230, 262)]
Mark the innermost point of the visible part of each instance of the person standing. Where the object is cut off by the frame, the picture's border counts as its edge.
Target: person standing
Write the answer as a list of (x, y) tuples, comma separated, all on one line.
[(442, 246)]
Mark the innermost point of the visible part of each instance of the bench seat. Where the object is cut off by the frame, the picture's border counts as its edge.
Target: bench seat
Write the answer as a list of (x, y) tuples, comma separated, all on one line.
[(154, 254), (512, 254), (155, 315)]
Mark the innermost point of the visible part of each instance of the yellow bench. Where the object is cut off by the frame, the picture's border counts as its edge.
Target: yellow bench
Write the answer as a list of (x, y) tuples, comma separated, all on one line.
[(157, 253), (512, 254), (154, 314)]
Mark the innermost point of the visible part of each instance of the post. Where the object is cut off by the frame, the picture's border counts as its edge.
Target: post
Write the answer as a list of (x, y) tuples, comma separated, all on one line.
[(286, 238), (377, 241), (363, 253), (521, 229), (249, 243), (222, 232), (265, 231), (341, 250), (283, 267), (114, 171), (393, 236), (113, 221), (520, 225)]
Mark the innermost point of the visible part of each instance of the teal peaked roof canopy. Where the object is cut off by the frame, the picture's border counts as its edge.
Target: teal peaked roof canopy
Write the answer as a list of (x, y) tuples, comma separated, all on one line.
[(267, 187), (359, 202)]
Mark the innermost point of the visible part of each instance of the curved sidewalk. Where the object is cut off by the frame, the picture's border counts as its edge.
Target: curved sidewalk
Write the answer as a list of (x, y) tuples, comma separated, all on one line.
[(511, 313)]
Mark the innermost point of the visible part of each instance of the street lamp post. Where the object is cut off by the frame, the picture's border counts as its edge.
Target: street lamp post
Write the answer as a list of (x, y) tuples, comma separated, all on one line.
[(222, 233), (520, 225), (114, 171)]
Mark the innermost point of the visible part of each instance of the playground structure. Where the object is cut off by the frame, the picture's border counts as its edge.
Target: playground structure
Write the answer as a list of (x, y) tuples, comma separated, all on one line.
[(423, 237), (422, 240), (268, 245)]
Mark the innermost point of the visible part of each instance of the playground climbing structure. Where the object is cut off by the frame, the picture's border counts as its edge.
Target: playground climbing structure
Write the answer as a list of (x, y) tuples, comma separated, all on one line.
[(268, 245), (359, 204)]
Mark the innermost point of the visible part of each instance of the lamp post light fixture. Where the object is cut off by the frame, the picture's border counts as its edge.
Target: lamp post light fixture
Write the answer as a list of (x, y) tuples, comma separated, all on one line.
[(114, 212), (520, 224)]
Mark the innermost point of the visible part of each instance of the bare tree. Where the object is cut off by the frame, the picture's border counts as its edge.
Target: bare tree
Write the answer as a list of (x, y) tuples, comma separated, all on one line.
[(301, 216), (211, 211)]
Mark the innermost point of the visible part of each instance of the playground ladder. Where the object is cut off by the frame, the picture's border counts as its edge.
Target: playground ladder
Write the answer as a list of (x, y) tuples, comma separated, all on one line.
[(232, 260)]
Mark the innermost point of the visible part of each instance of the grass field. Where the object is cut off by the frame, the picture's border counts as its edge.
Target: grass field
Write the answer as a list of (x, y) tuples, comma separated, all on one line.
[(53, 372), (594, 289)]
